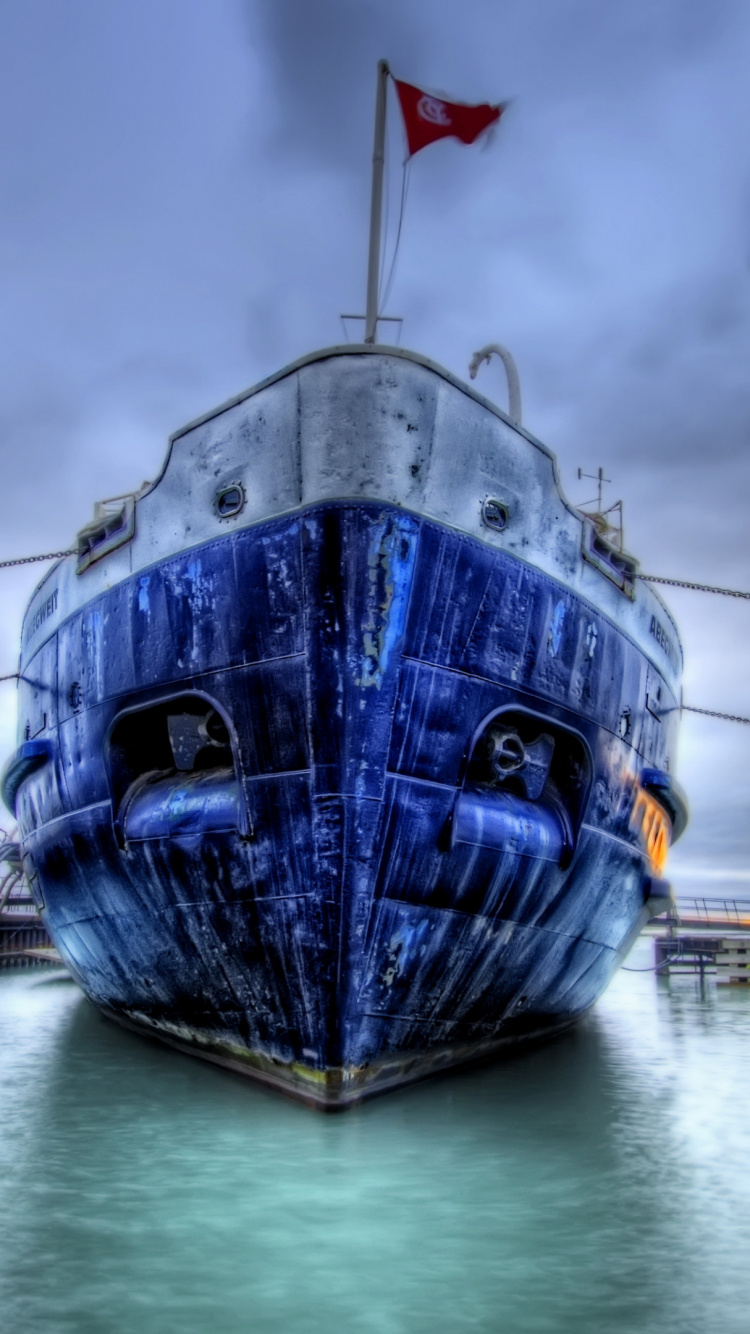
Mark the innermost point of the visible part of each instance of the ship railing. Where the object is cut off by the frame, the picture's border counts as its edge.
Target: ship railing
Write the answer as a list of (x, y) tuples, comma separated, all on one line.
[(711, 910), (23, 936)]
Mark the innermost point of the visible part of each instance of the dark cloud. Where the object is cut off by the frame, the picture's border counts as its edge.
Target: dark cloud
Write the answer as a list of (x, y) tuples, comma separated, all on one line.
[(185, 200), (323, 56)]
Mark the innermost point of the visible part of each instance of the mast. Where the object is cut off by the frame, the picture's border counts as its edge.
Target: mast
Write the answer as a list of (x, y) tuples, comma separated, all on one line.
[(376, 205)]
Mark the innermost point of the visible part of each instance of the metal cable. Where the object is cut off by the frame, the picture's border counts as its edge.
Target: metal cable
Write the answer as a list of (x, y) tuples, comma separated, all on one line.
[(699, 588), (29, 560), (404, 192), (702, 588), (650, 578), (674, 958), (711, 713)]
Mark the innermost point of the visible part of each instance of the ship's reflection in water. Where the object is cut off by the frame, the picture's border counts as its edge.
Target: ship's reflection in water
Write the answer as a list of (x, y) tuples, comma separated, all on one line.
[(599, 1183)]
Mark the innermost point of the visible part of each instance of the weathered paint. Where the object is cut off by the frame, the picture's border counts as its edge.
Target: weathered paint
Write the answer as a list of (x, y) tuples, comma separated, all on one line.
[(366, 423), (390, 562), (337, 939)]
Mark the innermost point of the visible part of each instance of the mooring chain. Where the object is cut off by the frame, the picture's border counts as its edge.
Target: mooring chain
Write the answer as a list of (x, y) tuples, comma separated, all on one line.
[(702, 588), (654, 968), (711, 713), (698, 588), (648, 578), (29, 560)]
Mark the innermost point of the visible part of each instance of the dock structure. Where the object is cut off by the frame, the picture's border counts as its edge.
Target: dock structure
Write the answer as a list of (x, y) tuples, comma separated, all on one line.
[(703, 935), (23, 935), (733, 962)]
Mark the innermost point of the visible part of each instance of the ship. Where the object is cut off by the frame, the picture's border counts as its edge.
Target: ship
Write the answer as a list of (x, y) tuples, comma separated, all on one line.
[(346, 746)]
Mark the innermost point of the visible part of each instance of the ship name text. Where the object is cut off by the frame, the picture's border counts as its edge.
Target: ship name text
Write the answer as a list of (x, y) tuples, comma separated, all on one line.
[(664, 642), (42, 613)]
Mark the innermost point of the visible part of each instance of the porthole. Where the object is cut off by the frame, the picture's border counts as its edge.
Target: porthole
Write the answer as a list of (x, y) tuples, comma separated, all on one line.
[(230, 500), (494, 514)]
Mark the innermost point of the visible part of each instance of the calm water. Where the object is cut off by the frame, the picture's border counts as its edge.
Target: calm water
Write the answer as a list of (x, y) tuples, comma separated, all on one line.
[(601, 1183)]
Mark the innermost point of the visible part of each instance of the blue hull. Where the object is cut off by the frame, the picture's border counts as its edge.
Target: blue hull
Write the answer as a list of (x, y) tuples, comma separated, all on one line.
[(328, 891)]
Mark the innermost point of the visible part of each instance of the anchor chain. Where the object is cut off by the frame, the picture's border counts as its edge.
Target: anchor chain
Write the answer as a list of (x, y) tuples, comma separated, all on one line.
[(29, 560), (698, 588), (712, 713)]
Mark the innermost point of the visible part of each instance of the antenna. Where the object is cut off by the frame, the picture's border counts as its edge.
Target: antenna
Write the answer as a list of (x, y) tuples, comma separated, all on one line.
[(595, 477), (612, 533)]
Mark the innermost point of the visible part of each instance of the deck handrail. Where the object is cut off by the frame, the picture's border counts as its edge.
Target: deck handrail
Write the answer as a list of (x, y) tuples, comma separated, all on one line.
[(714, 907)]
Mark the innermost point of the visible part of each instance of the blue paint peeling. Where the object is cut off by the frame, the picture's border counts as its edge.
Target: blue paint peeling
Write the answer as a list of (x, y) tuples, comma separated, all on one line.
[(554, 638), (404, 949), (305, 902), (390, 564)]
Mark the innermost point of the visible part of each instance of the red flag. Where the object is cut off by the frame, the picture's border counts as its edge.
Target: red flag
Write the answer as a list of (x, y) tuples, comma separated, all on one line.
[(428, 118)]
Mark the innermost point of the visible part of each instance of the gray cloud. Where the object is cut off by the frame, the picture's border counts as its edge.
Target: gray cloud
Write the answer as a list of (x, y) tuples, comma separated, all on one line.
[(185, 200), (323, 57)]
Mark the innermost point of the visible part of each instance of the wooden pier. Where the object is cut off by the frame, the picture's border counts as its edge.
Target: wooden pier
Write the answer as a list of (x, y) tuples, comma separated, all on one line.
[(732, 963), (705, 935), (23, 936)]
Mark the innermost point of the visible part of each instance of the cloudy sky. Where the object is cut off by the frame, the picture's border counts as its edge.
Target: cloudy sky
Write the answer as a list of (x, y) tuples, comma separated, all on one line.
[(184, 190)]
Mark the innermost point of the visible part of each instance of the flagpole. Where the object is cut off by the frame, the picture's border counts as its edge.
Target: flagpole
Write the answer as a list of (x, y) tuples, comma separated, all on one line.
[(376, 205)]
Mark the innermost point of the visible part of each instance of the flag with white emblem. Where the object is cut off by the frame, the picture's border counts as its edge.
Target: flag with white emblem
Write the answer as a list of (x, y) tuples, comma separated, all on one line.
[(427, 118)]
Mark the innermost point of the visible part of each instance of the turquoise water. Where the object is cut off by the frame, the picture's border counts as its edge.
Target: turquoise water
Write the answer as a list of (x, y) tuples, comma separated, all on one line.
[(599, 1183)]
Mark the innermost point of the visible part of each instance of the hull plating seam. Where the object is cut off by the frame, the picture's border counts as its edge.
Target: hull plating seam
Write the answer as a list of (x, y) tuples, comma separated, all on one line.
[(343, 679)]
